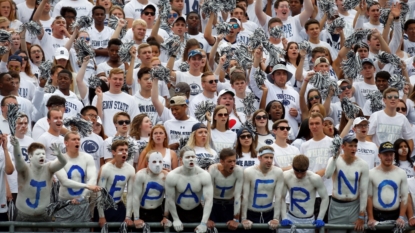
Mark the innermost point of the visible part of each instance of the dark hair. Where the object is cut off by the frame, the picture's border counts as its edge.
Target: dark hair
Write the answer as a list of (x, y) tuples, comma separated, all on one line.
[(238, 146), (343, 120), (382, 74), (297, 60), (3, 101), (308, 93), (153, 42), (55, 68), (396, 148), (274, 20), (360, 45), (98, 7), (407, 23), (35, 145), (14, 74), (114, 41), (268, 109), (67, 9), (118, 143), (192, 12), (65, 71), (226, 152), (304, 131), (55, 99), (277, 3), (143, 71), (87, 108), (311, 21), (53, 110), (2, 76)]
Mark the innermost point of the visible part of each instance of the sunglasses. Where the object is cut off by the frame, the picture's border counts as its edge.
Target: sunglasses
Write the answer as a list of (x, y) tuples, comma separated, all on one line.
[(282, 128), (174, 15), (392, 97), (235, 26), (245, 136), (149, 13), (127, 122), (398, 109), (299, 171), (223, 114), (212, 81), (348, 87), (85, 38), (313, 98), (261, 117)]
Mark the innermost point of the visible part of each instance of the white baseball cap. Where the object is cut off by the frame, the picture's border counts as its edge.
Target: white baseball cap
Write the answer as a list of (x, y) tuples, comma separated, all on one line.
[(359, 120), (61, 53)]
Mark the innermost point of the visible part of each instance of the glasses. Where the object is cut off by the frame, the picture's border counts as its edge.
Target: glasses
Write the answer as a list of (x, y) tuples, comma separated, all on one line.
[(36, 51), (212, 81), (92, 116), (235, 26), (259, 117), (284, 7), (282, 128), (299, 170), (392, 97), (348, 87), (174, 15), (85, 38), (398, 109), (316, 97), (127, 122), (149, 13), (223, 114), (245, 136), (362, 126)]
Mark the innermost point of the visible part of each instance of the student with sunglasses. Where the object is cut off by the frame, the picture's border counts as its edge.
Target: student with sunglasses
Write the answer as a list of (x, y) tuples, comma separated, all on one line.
[(229, 40), (209, 86), (245, 148), (334, 110), (284, 153), (122, 122), (221, 135), (134, 9), (263, 134), (382, 83), (387, 124)]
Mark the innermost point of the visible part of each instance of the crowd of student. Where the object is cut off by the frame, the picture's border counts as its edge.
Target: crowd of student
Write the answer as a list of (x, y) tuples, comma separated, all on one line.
[(270, 141)]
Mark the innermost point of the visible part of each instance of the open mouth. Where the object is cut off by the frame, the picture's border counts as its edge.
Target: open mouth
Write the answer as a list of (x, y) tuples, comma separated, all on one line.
[(124, 157), (191, 164), (77, 146), (41, 161)]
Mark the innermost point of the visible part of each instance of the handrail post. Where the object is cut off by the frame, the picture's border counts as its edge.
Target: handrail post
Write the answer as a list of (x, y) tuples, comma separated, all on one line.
[(11, 227), (321, 230)]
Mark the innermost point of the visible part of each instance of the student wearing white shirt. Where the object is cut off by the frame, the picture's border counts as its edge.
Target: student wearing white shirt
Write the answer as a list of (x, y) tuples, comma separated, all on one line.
[(409, 44), (69, 13), (348, 16), (363, 88), (92, 143), (387, 124), (260, 122), (373, 11), (403, 157), (144, 55), (6, 168), (209, 85), (5, 101), (55, 120), (239, 85), (199, 141), (368, 151), (113, 61), (133, 10), (113, 101), (99, 34), (25, 10), (230, 38), (284, 153), (221, 135), (44, 16), (58, 38), (313, 31), (193, 22), (226, 97), (245, 148), (82, 7)]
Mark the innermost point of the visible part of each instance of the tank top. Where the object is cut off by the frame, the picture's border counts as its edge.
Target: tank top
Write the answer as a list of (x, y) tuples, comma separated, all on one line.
[(167, 160)]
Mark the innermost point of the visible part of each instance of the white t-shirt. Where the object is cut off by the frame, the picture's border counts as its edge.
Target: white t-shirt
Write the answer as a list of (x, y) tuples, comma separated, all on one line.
[(336, 112), (3, 199), (202, 41), (385, 128), (195, 82), (49, 43), (179, 129), (104, 68), (368, 151), (243, 37), (406, 166), (368, 25), (24, 12), (264, 140), (240, 107), (196, 100), (163, 90), (235, 123), (99, 40), (41, 126), (145, 105), (91, 145), (409, 47), (47, 139), (113, 103), (46, 26), (222, 140), (361, 91), (292, 28), (82, 7), (246, 161), (324, 45), (201, 152), (348, 29), (283, 157), (133, 9), (319, 152)]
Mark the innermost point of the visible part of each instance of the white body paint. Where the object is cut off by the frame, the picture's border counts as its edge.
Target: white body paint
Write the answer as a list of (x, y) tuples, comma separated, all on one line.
[(339, 166), (74, 183), (109, 174), (235, 180), (311, 183), (268, 191), (376, 177)]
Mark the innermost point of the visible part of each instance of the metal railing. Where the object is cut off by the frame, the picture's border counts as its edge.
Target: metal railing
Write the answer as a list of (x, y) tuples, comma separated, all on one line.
[(156, 227)]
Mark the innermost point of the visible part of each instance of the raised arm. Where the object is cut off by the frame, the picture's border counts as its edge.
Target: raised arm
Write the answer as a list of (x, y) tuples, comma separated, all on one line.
[(208, 30), (120, 25), (9, 168), (255, 67), (259, 11), (19, 162), (58, 164), (303, 105), (130, 72), (155, 98), (155, 30), (68, 44), (99, 97), (308, 10), (83, 89), (214, 49)]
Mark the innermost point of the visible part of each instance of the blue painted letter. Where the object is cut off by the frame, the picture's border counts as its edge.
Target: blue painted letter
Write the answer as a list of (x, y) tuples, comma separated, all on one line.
[(395, 193), (39, 186), (346, 181), (192, 195), (152, 185), (114, 187), (259, 195), (295, 201), (223, 189), (81, 171)]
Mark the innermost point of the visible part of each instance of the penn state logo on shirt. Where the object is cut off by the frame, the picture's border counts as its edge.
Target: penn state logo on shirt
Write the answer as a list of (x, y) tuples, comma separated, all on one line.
[(201, 45), (194, 89), (89, 146), (268, 142), (285, 102)]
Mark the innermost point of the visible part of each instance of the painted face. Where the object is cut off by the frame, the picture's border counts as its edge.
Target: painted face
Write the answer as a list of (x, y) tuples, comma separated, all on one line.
[(155, 163), (189, 159), (38, 158)]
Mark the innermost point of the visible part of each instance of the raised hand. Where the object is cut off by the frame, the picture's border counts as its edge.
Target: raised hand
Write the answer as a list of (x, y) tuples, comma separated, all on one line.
[(56, 148)]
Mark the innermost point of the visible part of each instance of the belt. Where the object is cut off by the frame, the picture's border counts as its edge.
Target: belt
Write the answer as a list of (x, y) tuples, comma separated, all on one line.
[(223, 201)]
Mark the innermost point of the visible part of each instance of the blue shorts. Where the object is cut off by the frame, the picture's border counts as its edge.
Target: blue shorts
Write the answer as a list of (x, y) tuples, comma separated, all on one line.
[(112, 215), (222, 210)]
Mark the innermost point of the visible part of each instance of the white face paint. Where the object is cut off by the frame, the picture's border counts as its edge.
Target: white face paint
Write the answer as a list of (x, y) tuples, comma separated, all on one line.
[(402, 151), (38, 158), (155, 162), (189, 158)]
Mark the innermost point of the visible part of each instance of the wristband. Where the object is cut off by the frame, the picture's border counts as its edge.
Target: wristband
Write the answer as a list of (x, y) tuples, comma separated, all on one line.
[(136, 218), (129, 218), (80, 198), (361, 217), (203, 223), (236, 220), (412, 217), (402, 217), (396, 18), (173, 56)]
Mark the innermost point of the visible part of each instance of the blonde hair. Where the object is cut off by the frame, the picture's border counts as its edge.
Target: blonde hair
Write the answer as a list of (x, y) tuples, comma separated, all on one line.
[(192, 142), (116, 71), (113, 8), (4, 19), (142, 46), (139, 22), (12, 15)]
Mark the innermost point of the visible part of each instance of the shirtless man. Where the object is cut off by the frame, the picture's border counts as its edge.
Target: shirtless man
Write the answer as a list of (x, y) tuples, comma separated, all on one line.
[(114, 176), (77, 178), (35, 182), (302, 186), (185, 186), (262, 183), (149, 192), (350, 176), (388, 190), (227, 180)]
